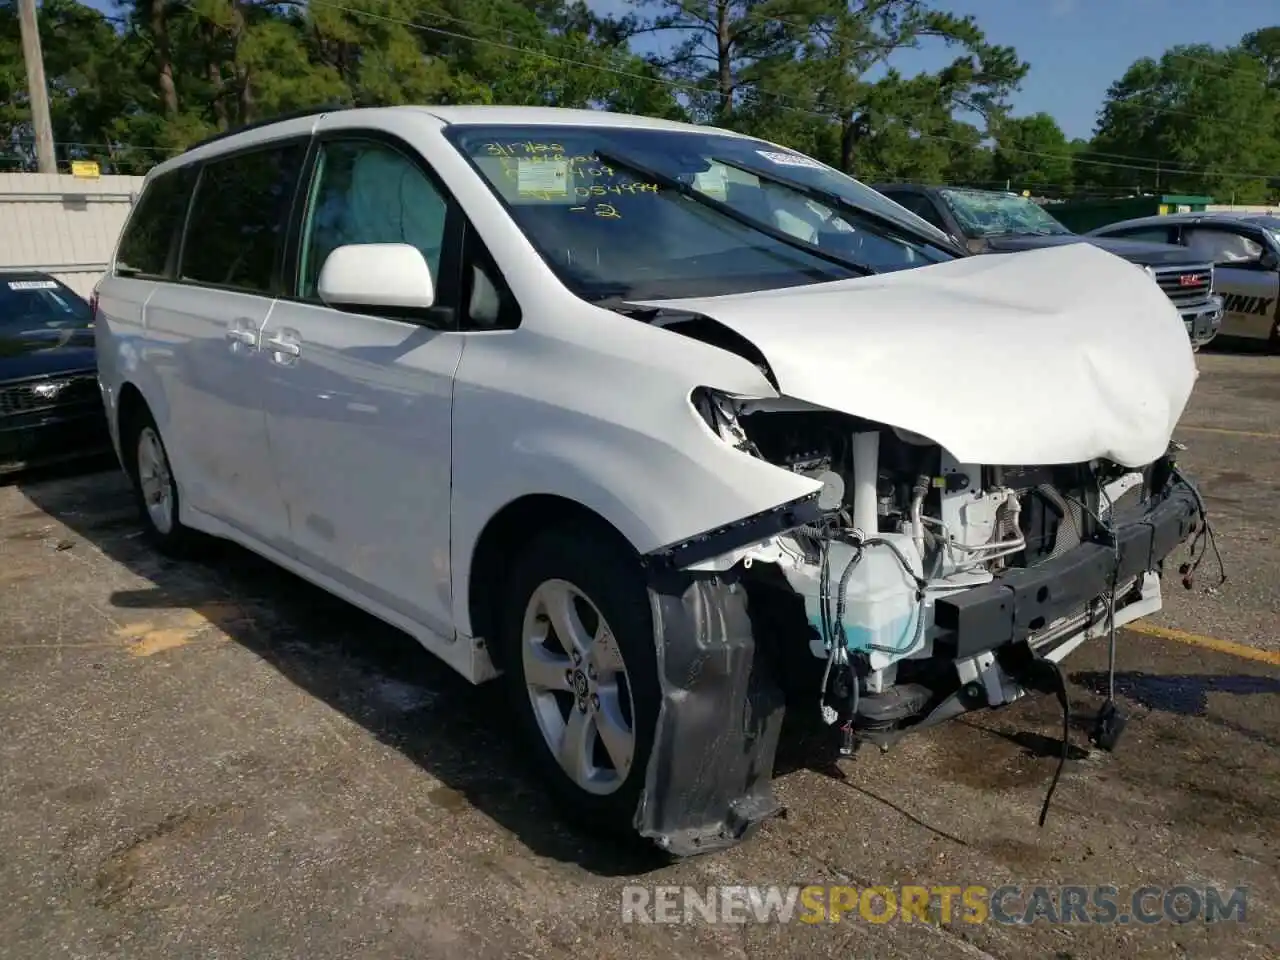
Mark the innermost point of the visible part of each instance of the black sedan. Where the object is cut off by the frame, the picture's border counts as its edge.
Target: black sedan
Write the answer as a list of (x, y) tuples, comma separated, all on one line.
[(50, 406)]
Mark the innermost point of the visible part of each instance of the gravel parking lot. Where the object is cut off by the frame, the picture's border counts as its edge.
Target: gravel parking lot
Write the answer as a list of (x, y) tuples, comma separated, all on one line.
[(216, 759)]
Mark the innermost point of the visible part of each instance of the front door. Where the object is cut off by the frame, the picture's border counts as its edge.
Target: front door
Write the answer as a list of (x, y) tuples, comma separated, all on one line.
[(359, 406), (1251, 298)]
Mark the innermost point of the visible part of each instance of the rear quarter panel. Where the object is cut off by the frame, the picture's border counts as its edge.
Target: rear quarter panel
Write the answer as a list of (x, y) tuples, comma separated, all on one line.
[(120, 342)]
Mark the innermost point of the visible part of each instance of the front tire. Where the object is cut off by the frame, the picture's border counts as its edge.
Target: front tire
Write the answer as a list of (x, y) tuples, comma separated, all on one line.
[(154, 488), (580, 666)]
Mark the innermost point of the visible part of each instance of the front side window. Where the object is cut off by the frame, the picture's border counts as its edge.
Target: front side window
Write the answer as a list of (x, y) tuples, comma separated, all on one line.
[(236, 227), (367, 192), (608, 231), (1222, 246), (154, 225), (982, 213)]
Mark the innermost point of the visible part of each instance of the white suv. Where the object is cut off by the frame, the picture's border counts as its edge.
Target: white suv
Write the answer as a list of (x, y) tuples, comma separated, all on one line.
[(659, 421)]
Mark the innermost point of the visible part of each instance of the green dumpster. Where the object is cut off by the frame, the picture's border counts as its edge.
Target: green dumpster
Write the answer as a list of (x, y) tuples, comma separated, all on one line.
[(1084, 215)]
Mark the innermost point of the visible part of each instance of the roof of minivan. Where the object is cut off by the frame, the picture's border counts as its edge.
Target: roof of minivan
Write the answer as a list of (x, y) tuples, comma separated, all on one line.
[(301, 123), (558, 116)]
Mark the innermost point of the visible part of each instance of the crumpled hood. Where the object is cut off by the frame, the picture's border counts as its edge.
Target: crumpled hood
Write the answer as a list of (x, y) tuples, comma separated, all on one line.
[(1059, 355)]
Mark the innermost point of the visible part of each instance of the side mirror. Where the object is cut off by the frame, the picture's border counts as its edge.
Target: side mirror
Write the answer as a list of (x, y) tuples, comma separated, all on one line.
[(1270, 260), (372, 276)]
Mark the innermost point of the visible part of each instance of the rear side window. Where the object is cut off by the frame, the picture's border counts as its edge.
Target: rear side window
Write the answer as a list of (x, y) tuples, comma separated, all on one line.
[(237, 221), (154, 225), (1146, 234)]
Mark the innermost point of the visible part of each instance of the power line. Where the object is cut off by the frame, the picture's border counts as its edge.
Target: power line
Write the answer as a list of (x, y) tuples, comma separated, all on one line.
[(780, 99), (1146, 166), (765, 18), (109, 147)]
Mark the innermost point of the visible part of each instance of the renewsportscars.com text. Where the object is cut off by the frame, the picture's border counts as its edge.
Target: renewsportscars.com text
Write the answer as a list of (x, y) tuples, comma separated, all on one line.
[(972, 904)]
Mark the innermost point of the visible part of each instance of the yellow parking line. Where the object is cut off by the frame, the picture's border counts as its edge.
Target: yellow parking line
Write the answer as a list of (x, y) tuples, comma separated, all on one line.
[(1210, 643), (1229, 432)]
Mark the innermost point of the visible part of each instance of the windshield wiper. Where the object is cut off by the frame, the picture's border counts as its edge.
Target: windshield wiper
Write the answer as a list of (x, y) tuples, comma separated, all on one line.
[(724, 209), (837, 202)]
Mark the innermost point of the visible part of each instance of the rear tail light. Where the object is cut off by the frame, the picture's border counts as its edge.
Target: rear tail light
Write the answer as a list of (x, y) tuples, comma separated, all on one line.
[(93, 307)]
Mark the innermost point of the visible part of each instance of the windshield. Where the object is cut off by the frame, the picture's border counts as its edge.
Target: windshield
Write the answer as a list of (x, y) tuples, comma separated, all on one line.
[(985, 214), (40, 303), (609, 232)]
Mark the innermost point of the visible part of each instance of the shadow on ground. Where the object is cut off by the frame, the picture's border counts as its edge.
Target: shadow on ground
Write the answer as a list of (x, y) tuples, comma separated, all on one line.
[(1243, 346), (1185, 694), (372, 673)]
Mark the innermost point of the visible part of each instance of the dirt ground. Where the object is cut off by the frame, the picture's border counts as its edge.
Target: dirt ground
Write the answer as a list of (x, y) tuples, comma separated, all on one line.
[(215, 759)]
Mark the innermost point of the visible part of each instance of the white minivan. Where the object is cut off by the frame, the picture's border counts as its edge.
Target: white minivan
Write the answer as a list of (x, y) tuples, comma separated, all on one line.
[(664, 424)]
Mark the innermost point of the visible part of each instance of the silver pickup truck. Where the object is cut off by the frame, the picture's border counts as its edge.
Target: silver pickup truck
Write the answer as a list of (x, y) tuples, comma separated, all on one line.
[(988, 221)]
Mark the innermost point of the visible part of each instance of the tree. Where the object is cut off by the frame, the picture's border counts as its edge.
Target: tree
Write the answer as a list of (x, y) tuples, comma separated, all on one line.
[(1264, 46), (90, 71), (1198, 120), (1032, 152), (899, 125), (717, 43)]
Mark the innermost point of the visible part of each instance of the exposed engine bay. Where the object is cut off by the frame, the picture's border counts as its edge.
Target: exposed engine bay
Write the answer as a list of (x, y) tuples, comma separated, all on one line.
[(878, 588)]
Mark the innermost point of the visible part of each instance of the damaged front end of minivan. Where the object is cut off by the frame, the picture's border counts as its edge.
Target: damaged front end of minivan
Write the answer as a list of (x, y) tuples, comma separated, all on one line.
[(911, 587)]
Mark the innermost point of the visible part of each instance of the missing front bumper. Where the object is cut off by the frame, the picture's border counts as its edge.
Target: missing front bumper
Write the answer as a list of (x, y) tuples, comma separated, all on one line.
[(1021, 602)]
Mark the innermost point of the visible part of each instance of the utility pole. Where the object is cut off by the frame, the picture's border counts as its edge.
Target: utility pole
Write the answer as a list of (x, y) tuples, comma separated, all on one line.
[(37, 91)]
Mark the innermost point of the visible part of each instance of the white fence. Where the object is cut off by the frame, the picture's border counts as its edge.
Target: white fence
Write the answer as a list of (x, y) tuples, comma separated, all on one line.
[(63, 225), (1242, 208)]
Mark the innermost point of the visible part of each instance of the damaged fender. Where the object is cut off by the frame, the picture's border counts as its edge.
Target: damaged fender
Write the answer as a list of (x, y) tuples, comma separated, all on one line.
[(708, 784)]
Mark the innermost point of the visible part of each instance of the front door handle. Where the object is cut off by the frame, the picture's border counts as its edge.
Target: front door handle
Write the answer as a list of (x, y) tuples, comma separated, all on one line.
[(242, 332), (285, 346)]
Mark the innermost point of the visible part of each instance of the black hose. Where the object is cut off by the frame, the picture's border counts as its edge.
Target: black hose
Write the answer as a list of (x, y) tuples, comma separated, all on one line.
[(1066, 733)]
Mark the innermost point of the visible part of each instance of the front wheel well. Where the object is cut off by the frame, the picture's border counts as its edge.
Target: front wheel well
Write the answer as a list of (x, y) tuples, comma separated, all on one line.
[(501, 541)]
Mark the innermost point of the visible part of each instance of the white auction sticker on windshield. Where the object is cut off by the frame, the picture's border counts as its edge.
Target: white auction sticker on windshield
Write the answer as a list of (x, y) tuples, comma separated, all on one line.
[(542, 176), (32, 285), (714, 183), (791, 159)]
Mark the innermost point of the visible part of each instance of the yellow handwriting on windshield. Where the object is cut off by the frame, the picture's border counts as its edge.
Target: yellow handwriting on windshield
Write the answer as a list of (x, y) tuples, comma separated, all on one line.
[(606, 210), (523, 148)]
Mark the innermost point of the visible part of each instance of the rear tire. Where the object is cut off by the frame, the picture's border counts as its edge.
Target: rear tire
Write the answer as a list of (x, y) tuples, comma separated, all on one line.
[(580, 666), (154, 488)]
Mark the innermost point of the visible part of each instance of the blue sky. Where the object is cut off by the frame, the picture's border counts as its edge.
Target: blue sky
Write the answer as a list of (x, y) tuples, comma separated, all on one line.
[(1077, 48)]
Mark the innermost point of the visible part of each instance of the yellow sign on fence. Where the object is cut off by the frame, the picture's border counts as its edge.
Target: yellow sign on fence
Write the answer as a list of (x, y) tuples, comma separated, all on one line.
[(88, 169)]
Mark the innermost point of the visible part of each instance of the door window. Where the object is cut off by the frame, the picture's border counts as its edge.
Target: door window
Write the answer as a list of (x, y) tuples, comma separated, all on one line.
[(367, 192), (1150, 234), (923, 208), (236, 227), (154, 225), (1223, 247)]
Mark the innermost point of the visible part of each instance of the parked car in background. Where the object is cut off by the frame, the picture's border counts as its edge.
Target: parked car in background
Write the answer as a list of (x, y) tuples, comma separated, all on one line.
[(988, 221), (1244, 249), (658, 421), (50, 406)]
